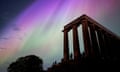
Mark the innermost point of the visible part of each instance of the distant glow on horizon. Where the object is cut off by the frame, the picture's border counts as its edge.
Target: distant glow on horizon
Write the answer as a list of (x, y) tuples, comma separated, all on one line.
[(38, 28)]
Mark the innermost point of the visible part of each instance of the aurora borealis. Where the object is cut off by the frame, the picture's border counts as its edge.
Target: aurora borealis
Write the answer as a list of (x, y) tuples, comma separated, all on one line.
[(35, 26)]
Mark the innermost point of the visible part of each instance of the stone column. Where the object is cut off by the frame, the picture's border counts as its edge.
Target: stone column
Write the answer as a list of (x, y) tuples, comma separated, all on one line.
[(76, 49), (110, 46), (66, 46), (86, 37), (95, 47), (102, 44), (107, 44)]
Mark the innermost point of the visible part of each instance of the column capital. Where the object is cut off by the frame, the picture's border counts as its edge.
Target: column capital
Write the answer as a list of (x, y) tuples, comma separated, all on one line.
[(65, 30)]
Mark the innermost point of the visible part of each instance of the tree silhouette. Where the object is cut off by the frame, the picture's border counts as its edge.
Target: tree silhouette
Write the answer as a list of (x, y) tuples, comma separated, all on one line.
[(30, 63)]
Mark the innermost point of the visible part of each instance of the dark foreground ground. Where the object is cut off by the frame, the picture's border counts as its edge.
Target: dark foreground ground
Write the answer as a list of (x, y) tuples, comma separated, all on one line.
[(87, 65)]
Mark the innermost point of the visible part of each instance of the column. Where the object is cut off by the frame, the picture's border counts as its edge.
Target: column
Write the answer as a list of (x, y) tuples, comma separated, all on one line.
[(107, 44), (95, 47), (76, 49), (86, 37), (102, 44), (110, 46), (66, 46)]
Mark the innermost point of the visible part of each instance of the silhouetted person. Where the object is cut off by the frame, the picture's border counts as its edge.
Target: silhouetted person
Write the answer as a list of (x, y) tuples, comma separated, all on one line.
[(30, 63)]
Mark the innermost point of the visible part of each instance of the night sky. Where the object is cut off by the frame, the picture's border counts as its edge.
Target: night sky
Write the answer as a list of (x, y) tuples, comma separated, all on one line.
[(35, 26)]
